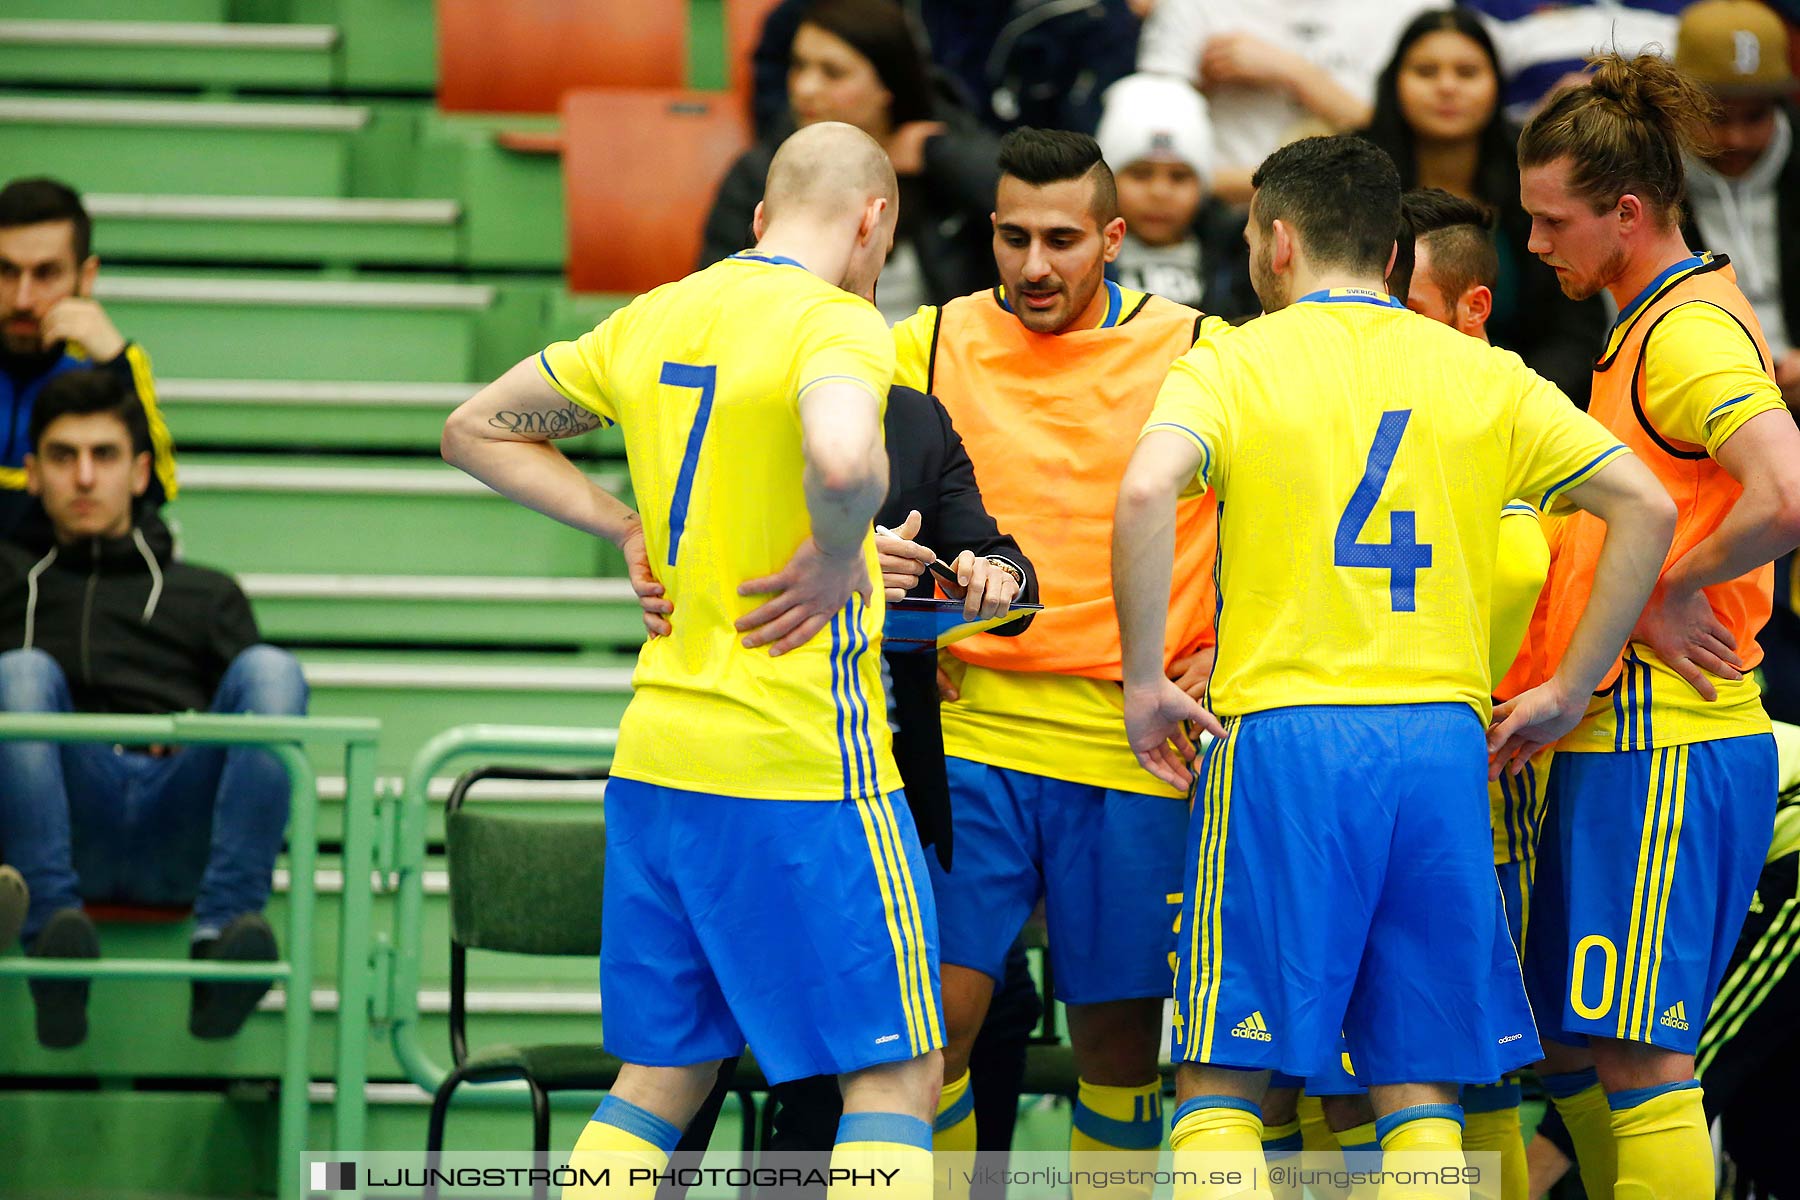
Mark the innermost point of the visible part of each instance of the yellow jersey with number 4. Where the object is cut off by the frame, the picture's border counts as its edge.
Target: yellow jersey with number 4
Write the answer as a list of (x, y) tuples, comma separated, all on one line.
[(1362, 455), (705, 376)]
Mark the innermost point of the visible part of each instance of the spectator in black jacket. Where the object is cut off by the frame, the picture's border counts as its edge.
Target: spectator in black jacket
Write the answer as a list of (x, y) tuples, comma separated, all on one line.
[(1438, 115), (101, 619), (856, 61)]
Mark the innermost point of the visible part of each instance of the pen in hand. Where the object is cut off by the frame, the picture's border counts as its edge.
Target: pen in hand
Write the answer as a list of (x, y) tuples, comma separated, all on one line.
[(938, 566)]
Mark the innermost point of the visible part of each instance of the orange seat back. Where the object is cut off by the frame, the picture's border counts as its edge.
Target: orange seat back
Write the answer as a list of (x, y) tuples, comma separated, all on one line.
[(522, 55), (640, 169)]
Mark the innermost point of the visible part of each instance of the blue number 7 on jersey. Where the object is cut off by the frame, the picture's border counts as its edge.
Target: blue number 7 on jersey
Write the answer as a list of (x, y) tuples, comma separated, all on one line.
[(1402, 555), (682, 375)]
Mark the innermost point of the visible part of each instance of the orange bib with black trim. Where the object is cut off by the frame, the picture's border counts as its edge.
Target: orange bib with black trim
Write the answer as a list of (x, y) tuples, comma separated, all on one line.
[(1050, 422)]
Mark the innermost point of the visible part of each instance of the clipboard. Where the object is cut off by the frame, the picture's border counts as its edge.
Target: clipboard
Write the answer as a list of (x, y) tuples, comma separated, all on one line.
[(918, 624)]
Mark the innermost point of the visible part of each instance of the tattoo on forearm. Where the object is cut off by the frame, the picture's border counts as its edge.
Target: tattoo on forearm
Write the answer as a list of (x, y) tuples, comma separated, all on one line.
[(560, 423)]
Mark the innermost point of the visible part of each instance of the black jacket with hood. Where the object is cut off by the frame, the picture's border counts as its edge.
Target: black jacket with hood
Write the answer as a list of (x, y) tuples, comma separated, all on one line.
[(134, 630)]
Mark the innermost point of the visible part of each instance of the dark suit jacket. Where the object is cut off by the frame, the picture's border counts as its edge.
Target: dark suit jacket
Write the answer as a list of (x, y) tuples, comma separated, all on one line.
[(929, 470)]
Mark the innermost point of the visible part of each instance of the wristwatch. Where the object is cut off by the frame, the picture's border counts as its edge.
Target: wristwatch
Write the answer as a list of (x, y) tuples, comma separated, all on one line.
[(1010, 568)]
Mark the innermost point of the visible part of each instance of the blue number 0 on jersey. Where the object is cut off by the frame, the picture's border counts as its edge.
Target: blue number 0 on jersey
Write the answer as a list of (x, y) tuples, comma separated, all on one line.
[(683, 375), (1402, 555)]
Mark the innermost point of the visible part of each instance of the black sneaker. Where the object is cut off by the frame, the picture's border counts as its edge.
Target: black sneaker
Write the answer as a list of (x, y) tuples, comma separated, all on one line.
[(15, 898), (62, 1003), (220, 1009)]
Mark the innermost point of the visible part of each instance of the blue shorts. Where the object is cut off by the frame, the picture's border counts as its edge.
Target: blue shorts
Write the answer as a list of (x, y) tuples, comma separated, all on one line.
[(1343, 894), (804, 928), (1106, 863), (1339, 1078), (1666, 847)]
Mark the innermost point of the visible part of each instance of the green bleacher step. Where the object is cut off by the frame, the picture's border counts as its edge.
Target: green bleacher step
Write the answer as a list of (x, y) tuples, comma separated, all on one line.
[(170, 53), (228, 149), (308, 414), (300, 328), (530, 797), (276, 229), (445, 610), (326, 516), (419, 696)]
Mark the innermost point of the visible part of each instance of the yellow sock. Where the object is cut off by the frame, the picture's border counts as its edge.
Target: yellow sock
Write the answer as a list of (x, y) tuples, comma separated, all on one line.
[(1283, 1142), (1491, 1126), (621, 1138), (1423, 1138), (1321, 1146), (1218, 1134), (1361, 1149), (953, 1137), (1665, 1148), (886, 1155), (1115, 1128), (1581, 1100)]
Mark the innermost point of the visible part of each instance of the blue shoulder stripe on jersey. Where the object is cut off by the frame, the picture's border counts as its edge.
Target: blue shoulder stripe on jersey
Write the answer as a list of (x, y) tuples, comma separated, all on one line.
[(1205, 450), (548, 371), (1350, 296), (1518, 506), (1578, 476), (778, 260), (1721, 408)]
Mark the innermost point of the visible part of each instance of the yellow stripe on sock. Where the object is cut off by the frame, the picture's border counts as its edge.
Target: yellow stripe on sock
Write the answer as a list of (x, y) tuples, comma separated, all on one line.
[(893, 925)]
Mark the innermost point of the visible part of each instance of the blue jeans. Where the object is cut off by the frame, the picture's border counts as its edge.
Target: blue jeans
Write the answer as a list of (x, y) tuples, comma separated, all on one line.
[(89, 821)]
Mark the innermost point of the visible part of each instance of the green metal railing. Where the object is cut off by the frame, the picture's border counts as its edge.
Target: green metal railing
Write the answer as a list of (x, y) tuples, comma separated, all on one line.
[(289, 739), (409, 850)]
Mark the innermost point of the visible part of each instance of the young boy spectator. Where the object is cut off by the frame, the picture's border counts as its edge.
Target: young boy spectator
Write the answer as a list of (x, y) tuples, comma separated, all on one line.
[(1180, 243), (99, 618)]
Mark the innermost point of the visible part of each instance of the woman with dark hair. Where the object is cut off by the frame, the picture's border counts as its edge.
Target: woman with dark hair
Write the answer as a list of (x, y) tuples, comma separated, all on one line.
[(1437, 113), (857, 61)]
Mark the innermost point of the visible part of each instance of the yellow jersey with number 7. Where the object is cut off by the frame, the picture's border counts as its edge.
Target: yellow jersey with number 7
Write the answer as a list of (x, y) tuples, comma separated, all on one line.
[(1362, 455), (705, 376)]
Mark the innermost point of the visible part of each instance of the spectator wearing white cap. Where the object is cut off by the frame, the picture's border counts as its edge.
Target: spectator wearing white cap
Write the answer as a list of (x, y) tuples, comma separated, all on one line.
[(1745, 196), (1273, 72), (1179, 243)]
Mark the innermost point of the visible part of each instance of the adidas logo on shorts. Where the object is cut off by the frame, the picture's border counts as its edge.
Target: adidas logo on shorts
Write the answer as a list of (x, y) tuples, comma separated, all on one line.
[(1675, 1016), (1252, 1027)]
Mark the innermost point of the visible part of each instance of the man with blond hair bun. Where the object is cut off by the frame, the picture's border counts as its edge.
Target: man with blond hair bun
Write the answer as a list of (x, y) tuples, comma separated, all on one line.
[(1661, 801)]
